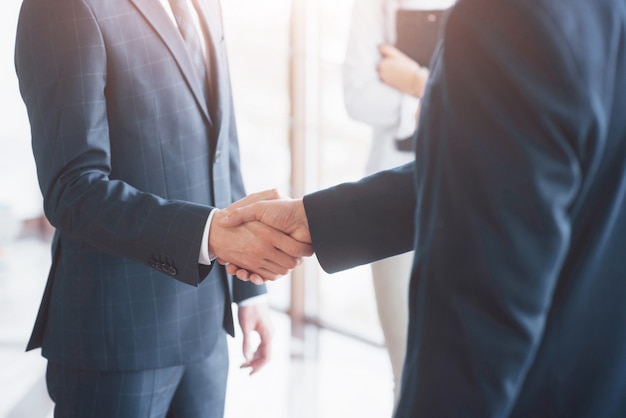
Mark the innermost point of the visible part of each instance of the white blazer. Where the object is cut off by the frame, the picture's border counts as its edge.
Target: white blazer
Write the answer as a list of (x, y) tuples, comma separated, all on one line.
[(390, 113)]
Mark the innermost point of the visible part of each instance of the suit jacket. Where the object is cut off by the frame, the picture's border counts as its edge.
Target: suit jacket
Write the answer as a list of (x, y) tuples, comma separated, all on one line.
[(131, 158), (519, 279)]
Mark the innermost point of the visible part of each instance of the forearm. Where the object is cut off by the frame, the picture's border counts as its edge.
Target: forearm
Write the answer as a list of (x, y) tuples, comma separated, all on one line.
[(357, 223)]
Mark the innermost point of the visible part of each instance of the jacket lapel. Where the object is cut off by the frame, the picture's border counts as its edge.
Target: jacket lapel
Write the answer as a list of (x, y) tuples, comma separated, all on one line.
[(160, 21)]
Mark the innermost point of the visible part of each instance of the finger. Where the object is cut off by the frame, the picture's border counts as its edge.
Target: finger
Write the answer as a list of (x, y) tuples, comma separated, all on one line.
[(243, 275), (261, 355), (268, 262), (255, 251), (270, 271), (247, 276), (232, 268), (382, 69), (267, 251), (388, 50), (257, 362), (291, 246), (240, 215), (293, 240), (247, 351), (383, 49), (271, 194), (257, 279), (278, 263)]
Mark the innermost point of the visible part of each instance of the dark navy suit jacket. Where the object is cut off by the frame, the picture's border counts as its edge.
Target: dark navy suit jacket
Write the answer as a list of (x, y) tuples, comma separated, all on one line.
[(517, 299), (131, 158)]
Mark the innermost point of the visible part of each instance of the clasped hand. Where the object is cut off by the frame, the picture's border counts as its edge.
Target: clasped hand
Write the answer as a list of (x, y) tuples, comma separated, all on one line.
[(261, 237)]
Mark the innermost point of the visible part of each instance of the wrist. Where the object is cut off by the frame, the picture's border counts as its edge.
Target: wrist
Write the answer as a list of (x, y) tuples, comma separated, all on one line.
[(304, 234), (420, 76), (206, 257), (212, 235)]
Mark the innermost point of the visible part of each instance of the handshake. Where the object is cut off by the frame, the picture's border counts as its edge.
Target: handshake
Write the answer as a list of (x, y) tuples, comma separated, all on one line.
[(261, 237)]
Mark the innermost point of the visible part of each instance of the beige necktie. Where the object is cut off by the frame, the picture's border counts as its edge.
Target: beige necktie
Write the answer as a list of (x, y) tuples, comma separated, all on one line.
[(190, 35)]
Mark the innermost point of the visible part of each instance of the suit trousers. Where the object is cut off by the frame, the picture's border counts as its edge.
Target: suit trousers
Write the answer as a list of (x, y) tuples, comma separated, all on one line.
[(196, 390)]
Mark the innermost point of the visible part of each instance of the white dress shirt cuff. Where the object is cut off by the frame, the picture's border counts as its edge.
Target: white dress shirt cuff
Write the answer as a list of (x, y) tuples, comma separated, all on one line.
[(205, 257)]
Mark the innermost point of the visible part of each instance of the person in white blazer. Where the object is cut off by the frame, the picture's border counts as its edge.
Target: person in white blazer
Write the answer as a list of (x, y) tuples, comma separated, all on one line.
[(382, 88)]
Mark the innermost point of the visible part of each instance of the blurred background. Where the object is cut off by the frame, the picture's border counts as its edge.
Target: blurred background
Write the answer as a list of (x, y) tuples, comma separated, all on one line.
[(329, 358)]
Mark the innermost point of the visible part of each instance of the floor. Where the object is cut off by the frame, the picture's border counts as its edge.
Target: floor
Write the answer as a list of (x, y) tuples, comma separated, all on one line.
[(334, 377), (23, 266)]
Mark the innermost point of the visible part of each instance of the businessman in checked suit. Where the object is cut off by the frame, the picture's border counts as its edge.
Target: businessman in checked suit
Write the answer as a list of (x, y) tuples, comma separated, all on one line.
[(516, 208), (135, 143)]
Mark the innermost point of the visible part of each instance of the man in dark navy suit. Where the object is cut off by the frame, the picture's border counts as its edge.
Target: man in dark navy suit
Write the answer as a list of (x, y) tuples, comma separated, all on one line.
[(516, 208), (136, 147)]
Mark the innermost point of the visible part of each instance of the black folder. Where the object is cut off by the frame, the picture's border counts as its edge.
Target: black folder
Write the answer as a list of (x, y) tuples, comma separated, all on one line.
[(417, 32)]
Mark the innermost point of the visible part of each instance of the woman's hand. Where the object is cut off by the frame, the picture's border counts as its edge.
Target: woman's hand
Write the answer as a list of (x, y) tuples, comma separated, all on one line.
[(399, 71)]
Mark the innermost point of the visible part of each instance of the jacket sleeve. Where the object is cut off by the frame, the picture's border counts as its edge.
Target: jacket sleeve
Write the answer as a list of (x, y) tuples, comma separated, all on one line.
[(356, 223), (61, 61)]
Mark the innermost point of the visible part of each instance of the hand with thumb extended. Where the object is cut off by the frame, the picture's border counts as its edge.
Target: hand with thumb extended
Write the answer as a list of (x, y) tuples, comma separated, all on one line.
[(286, 215), (258, 247), (399, 71)]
